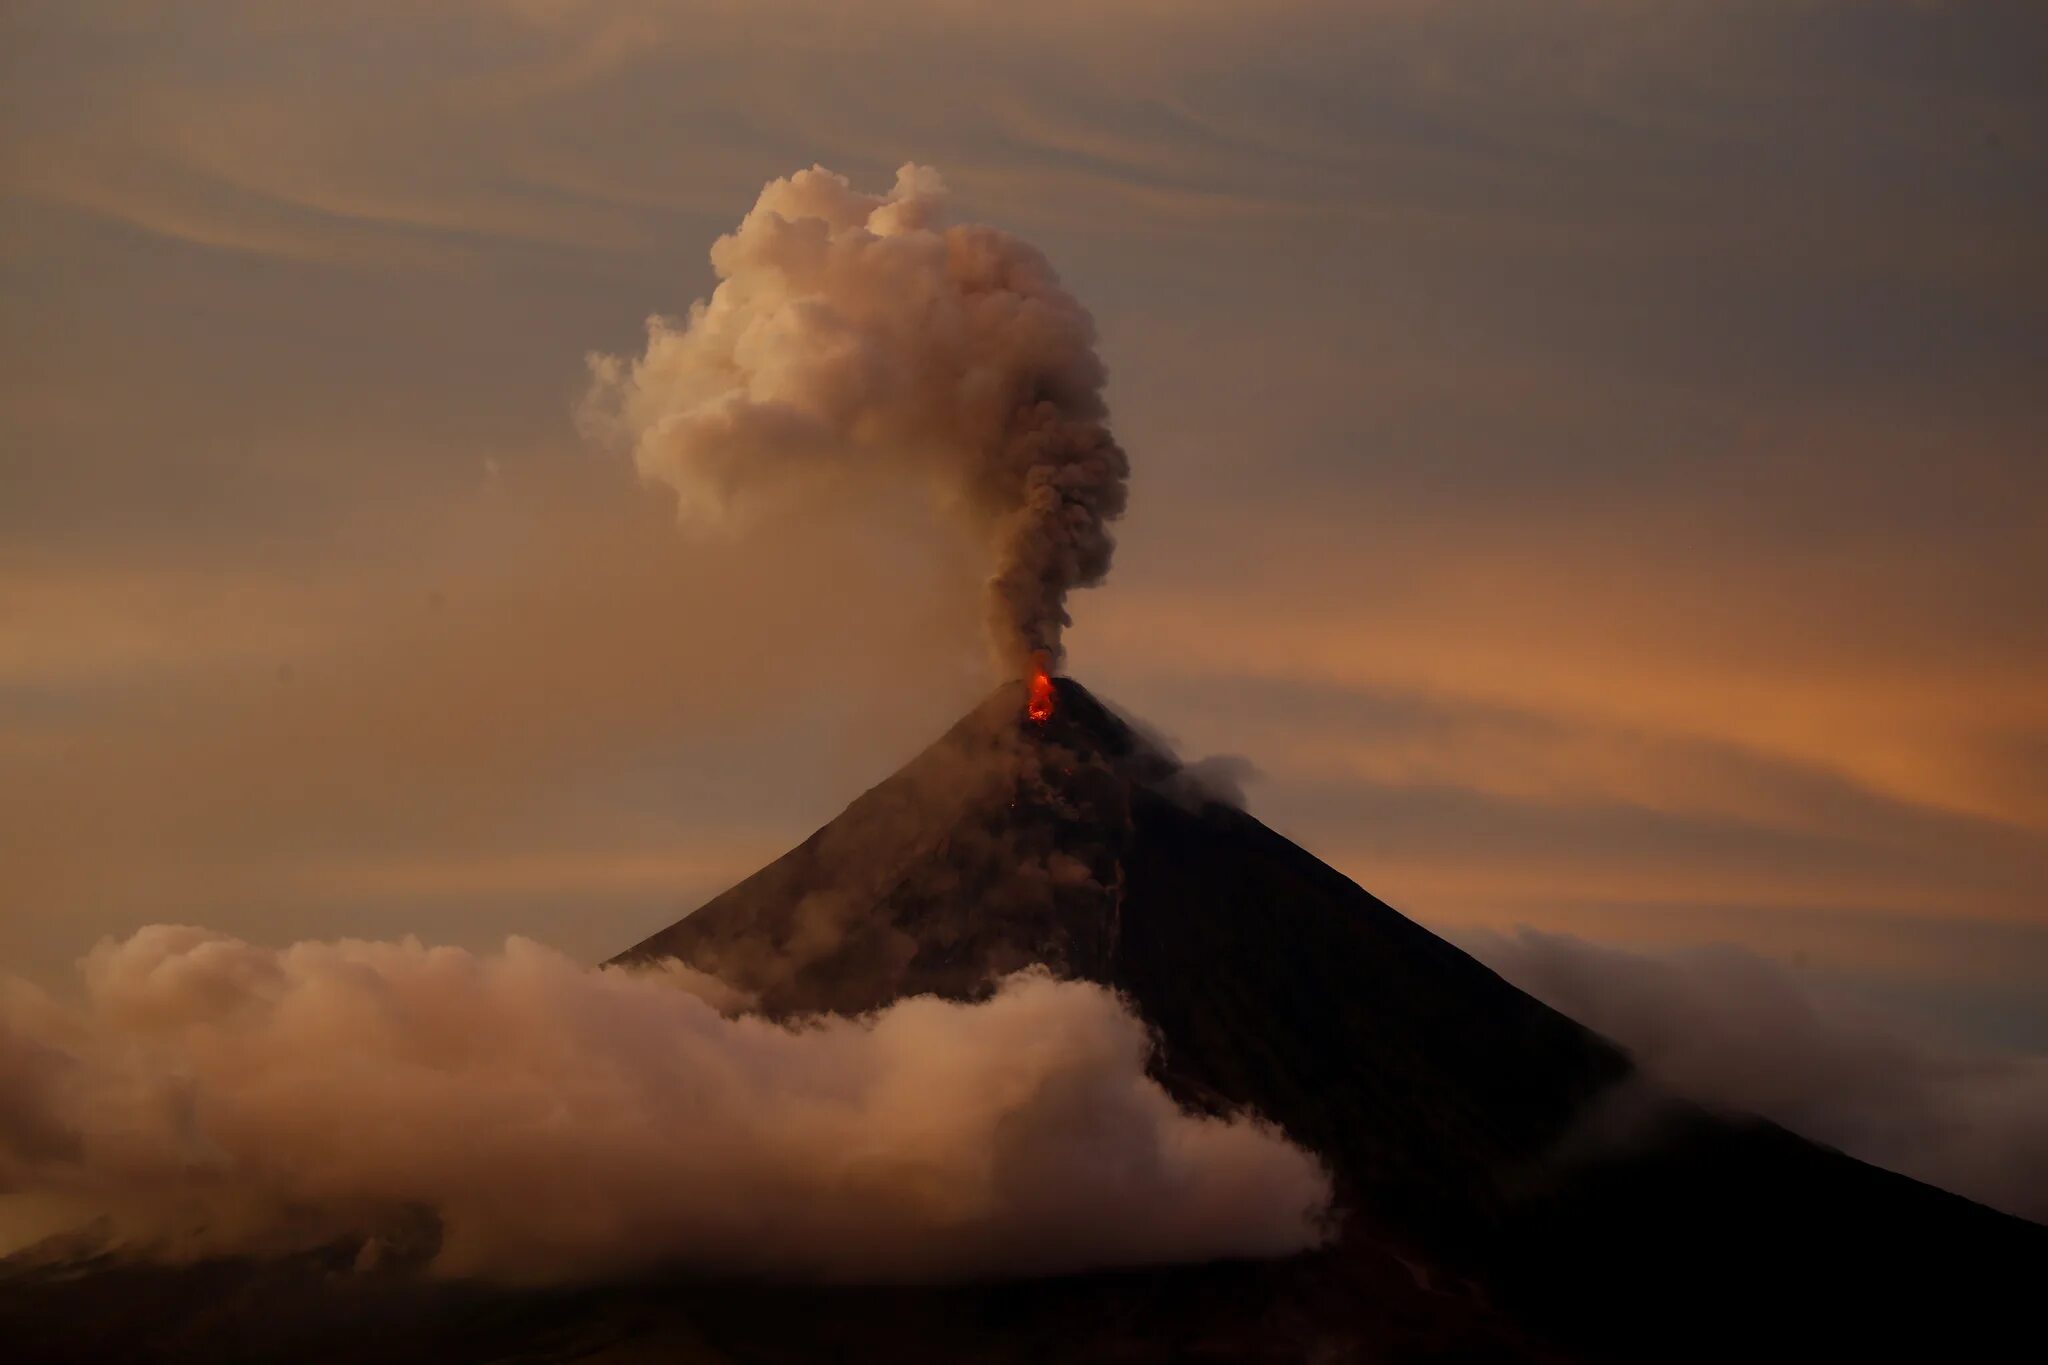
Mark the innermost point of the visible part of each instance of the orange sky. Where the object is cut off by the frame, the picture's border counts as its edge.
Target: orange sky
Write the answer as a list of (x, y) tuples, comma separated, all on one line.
[(1588, 457)]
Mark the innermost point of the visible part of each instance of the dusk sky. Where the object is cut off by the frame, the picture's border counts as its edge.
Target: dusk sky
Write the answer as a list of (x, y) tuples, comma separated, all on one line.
[(1591, 458)]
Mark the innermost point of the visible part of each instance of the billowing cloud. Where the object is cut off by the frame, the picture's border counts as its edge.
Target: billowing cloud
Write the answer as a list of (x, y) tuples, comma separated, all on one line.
[(853, 336), (207, 1095), (1729, 1028)]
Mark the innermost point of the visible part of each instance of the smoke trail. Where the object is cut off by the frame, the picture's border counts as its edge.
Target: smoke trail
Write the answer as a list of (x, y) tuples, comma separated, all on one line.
[(1725, 1027), (855, 335), (209, 1095)]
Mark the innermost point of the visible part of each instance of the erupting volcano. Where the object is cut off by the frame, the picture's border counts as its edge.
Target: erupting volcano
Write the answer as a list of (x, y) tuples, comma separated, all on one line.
[(1492, 1181)]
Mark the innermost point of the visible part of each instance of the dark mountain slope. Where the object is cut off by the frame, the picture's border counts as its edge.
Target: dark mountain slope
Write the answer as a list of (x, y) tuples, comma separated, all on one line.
[(1511, 1147), (1273, 980)]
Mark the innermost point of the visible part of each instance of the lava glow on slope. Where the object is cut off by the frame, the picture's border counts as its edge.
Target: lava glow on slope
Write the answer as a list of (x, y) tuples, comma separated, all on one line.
[(1039, 705)]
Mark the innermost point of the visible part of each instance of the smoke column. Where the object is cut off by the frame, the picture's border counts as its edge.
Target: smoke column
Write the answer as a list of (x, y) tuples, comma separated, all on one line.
[(859, 336)]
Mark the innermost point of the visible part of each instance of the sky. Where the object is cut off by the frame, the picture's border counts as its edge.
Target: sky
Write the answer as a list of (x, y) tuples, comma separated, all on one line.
[(1588, 457)]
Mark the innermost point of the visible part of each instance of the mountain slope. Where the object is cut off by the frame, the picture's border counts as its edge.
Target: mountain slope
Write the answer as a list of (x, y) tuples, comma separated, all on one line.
[(1273, 980)]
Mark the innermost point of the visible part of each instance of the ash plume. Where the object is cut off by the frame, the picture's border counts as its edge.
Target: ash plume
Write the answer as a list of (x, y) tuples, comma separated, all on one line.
[(859, 337), (208, 1096)]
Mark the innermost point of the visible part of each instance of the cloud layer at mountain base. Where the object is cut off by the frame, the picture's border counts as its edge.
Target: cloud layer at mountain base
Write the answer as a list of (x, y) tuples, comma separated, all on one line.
[(208, 1095)]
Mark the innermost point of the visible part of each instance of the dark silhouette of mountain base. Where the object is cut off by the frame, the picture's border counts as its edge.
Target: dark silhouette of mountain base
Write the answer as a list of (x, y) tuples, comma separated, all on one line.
[(1510, 1188)]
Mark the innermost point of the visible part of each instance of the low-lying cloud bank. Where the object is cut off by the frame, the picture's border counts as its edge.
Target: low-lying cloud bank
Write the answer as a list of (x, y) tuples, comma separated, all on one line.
[(1728, 1028), (207, 1094)]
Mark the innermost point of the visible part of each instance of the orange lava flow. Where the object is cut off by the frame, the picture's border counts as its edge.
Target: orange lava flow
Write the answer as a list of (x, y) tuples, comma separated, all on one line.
[(1039, 707)]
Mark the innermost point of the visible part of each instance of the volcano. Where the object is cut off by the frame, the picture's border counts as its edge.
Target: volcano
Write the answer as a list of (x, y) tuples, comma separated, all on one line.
[(1508, 1187)]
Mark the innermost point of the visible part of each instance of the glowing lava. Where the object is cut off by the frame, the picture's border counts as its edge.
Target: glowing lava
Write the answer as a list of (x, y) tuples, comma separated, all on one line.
[(1039, 706)]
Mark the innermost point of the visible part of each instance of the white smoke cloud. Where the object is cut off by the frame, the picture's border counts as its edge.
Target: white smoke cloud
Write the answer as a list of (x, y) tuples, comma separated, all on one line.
[(1728, 1028), (208, 1095), (855, 336)]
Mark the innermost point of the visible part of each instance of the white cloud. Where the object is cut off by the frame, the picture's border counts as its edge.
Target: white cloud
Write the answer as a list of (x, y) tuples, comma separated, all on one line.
[(564, 1123)]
